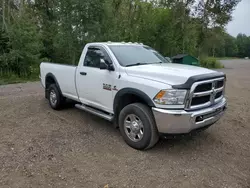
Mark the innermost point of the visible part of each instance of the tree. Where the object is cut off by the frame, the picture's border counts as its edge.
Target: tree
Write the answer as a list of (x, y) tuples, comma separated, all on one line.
[(231, 48), (243, 43), (57, 30), (213, 13)]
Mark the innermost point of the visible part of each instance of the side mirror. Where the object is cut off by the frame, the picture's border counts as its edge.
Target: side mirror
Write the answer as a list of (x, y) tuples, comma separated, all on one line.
[(106, 65), (111, 67), (103, 65)]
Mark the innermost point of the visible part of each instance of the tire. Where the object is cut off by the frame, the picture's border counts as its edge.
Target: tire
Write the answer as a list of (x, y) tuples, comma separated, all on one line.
[(133, 116), (57, 101)]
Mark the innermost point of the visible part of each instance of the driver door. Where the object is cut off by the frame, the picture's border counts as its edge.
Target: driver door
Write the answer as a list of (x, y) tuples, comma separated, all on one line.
[(94, 85)]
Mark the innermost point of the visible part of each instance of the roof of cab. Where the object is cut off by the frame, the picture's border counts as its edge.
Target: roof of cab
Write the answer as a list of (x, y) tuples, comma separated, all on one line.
[(116, 43)]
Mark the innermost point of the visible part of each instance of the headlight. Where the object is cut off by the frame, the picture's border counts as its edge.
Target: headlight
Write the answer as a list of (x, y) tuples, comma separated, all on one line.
[(171, 97)]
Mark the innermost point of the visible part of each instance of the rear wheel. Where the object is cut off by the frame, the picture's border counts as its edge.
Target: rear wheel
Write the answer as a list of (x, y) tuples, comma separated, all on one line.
[(56, 100), (137, 126)]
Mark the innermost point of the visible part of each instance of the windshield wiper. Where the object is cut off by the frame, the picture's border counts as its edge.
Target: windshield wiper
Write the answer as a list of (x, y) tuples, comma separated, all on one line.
[(136, 64)]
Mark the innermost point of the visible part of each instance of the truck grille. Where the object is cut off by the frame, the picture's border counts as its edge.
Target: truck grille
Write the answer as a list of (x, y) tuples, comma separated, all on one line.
[(206, 93)]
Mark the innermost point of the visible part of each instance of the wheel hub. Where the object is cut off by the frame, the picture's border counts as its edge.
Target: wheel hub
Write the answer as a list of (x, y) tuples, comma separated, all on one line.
[(133, 127), (53, 98)]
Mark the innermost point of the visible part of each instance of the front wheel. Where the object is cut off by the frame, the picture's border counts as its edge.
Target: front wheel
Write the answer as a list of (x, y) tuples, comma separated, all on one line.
[(137, 126)]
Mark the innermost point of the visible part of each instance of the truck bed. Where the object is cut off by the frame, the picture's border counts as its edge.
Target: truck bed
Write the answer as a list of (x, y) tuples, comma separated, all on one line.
[(65, 76)]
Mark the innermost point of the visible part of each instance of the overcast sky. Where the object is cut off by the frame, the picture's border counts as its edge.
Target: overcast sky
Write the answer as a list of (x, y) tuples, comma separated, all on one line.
[(241, 19)]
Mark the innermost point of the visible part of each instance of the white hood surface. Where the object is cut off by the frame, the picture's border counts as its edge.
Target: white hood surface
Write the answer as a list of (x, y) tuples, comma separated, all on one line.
[(168, 73)]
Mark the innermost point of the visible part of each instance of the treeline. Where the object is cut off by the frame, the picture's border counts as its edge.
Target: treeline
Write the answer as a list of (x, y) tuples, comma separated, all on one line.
[(56, 30), (226, 45)]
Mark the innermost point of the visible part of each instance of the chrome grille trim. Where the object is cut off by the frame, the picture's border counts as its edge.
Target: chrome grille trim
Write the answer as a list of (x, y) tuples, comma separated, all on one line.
[(212, 93)]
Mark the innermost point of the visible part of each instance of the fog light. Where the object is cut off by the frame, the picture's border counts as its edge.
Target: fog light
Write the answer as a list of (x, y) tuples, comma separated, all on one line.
[(200, 118)]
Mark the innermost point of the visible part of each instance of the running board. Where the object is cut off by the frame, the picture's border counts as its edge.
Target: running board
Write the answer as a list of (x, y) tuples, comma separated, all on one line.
[(95, 112)]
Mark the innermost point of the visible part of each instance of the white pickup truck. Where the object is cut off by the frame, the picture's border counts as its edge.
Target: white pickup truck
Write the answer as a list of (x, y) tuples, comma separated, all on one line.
[(134, 86)]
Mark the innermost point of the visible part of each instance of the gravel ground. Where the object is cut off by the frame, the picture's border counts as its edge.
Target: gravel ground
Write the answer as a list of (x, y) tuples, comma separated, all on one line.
[(40, 147)]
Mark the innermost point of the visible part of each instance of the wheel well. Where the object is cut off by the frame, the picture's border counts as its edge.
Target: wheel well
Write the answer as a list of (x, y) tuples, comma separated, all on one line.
[(125, 100), (49, 80)]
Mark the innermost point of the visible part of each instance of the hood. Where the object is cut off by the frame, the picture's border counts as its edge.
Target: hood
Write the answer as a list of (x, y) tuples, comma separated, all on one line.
[(168, 73)]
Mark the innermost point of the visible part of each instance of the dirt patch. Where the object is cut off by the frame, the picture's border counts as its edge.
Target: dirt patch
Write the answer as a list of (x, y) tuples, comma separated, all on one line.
[(40, 147)]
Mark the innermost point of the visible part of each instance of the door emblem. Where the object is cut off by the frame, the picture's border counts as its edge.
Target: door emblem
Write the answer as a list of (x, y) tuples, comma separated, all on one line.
[(107, 87)]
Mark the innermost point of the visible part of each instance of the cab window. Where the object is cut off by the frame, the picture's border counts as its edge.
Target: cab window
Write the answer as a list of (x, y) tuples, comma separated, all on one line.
[(93, 57)]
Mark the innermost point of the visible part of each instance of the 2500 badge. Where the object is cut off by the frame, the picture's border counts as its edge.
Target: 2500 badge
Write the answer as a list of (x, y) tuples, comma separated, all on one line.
[(107, 87)]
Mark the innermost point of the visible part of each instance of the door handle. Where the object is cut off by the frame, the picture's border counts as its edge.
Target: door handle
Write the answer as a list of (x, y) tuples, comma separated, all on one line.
[(83, 73)]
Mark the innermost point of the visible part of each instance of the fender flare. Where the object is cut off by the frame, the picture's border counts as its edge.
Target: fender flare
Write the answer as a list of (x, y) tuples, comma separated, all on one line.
[(56, 82), (133, 91)]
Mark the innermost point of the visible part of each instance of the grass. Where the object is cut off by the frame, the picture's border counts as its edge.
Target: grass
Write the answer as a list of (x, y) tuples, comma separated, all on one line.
[(212, 63), (9, 76), (14, 80)]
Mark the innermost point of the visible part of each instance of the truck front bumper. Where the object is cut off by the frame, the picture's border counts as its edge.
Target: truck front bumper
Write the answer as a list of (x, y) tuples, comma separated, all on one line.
[(181, 121)]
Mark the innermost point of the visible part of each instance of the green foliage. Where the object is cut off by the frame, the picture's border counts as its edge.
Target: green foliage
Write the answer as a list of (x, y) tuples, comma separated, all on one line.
[(243, 43), (25, 46), (21, 46), (210, 62), (13, 79), (229, 46), (57, 30)]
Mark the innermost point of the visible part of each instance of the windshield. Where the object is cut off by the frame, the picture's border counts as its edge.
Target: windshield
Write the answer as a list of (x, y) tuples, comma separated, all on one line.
[(128, 55)]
